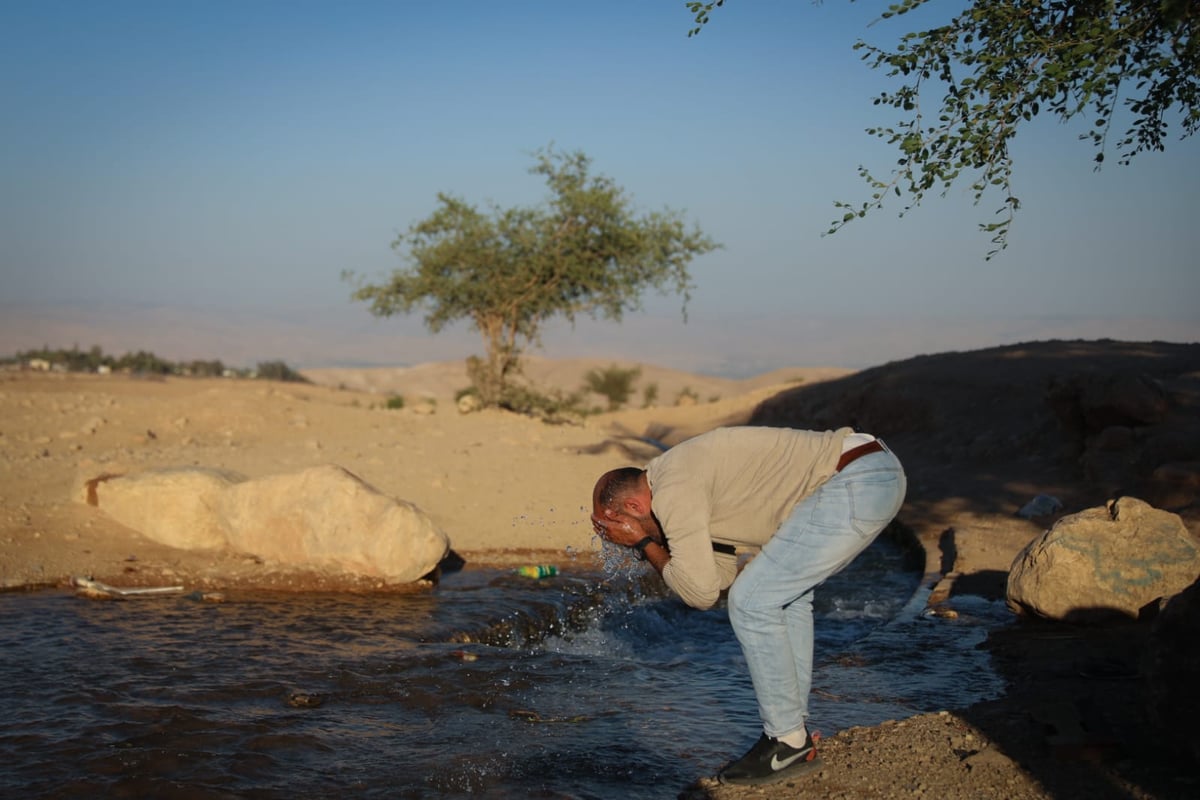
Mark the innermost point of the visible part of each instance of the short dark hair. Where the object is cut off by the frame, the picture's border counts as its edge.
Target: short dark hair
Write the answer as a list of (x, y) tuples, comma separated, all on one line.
[(617, 484)]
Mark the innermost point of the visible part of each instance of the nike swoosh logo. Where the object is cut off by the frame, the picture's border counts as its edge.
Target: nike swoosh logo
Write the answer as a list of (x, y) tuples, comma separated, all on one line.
[(778, 764)]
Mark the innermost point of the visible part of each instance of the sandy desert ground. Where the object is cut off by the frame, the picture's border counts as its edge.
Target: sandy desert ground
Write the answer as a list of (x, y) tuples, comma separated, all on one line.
[(509, 489), (497, 483)]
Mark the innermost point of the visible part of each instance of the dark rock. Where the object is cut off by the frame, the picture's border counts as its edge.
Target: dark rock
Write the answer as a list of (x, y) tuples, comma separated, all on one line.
[(1172, 664)]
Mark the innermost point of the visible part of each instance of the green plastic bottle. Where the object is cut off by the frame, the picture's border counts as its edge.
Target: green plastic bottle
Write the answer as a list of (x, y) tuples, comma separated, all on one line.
[(538, 571)]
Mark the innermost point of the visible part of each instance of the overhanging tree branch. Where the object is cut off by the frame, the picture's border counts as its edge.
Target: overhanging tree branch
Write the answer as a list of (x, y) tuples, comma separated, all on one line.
[(1002, 63)]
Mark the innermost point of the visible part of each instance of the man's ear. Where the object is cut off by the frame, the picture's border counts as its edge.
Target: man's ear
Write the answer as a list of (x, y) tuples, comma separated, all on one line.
[(634, 505)]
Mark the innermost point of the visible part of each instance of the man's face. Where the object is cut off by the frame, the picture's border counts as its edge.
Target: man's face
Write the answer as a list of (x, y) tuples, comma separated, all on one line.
[(629, 513)]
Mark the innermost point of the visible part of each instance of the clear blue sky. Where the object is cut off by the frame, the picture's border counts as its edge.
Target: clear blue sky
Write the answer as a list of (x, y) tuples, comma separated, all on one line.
[(235, 157)]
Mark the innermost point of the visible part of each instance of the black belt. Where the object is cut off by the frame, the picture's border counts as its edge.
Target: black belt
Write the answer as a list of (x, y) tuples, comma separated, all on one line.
[(855, 453), (727, 549)]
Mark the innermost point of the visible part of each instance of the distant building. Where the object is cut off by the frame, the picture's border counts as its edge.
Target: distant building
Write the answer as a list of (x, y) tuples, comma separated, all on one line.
[(39, 364)]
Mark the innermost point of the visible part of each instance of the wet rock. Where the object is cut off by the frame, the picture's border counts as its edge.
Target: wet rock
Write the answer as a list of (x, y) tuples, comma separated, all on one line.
[(1104, 563), (305, 700)]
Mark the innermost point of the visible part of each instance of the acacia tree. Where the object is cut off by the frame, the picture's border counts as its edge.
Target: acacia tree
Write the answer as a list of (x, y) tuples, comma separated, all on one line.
[(510, 270), (1000, 64)]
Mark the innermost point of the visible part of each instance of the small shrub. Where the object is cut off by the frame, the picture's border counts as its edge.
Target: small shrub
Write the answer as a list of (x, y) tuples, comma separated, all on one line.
[(649, 394), (614, 383), (395, 402), (554, 406), (279, 371)]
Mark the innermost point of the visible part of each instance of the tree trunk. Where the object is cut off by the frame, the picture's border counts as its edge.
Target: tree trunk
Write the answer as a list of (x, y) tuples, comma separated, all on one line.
[(490, 377)]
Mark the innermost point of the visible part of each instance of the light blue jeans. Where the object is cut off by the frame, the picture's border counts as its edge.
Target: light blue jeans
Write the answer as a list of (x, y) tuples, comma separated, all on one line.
[(770, 603)]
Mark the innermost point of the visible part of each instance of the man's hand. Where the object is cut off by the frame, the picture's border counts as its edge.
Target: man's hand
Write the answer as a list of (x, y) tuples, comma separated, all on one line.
[(618, 528), (626, 530)]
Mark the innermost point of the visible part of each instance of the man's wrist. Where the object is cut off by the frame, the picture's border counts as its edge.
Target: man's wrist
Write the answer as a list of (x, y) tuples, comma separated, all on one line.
[(639, 548)]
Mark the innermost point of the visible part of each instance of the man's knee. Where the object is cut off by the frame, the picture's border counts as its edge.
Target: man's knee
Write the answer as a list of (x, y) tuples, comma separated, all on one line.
[(735, 599), (740, 602), (744, 603)]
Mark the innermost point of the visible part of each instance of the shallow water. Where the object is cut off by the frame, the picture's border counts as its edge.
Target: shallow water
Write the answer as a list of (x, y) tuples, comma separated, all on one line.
[(583, 685)]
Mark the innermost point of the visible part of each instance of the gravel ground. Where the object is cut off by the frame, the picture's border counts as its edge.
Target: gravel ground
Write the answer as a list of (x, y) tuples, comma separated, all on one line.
[(1069, 726)]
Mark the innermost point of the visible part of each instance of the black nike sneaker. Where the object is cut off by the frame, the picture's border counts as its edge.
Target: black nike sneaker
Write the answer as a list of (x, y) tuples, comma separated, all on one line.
[(771, 761)]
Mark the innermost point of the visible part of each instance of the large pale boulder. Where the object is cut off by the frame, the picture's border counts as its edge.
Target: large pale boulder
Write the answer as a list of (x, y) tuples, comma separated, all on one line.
[(328, 518), (176, 507), (323, 518), (1104, 562)]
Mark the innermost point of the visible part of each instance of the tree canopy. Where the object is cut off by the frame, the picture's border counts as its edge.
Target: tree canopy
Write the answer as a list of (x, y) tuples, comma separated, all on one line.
[(1000, 64), (508, 271)]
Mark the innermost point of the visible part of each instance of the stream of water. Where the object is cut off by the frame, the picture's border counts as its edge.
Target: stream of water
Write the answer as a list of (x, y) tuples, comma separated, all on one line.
[(582, 685)]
